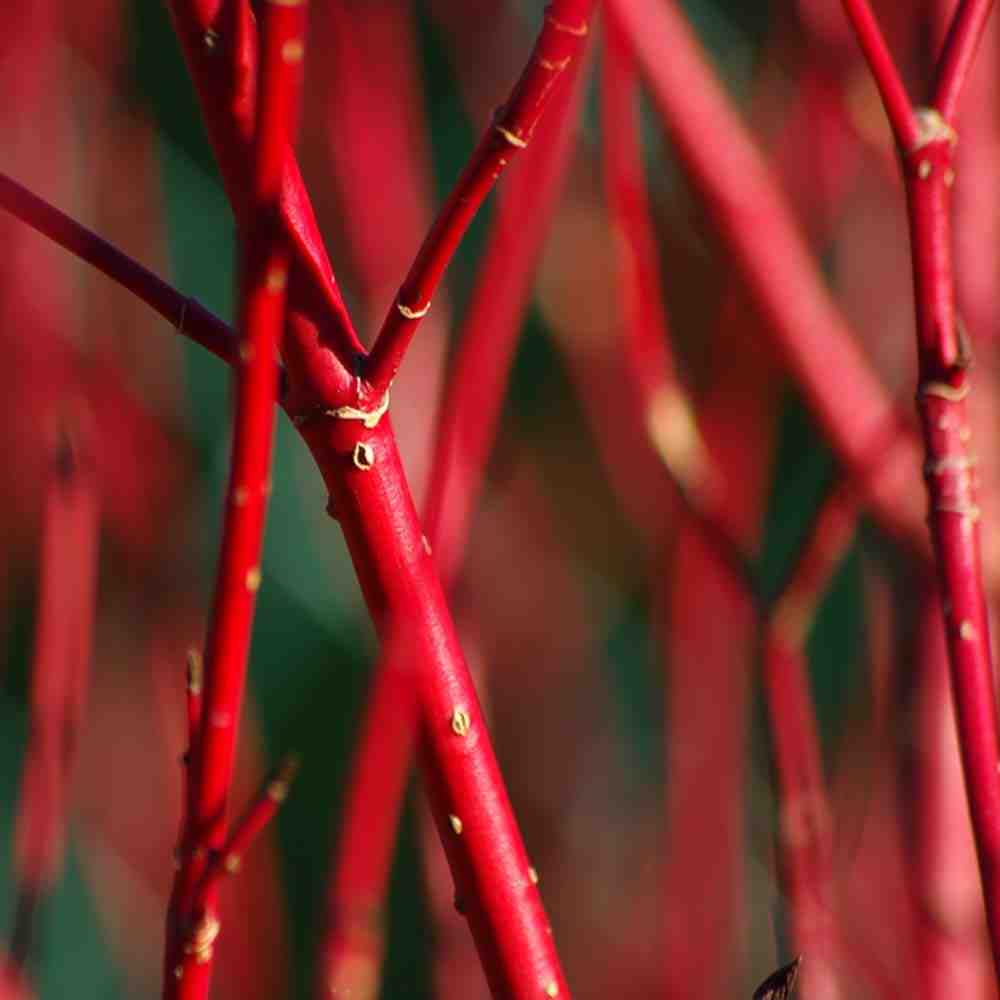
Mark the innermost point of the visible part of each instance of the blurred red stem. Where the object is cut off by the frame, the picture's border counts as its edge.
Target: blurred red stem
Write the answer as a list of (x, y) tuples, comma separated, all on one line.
[(805, 834), (566, 26), (757, 226), (59, 676)]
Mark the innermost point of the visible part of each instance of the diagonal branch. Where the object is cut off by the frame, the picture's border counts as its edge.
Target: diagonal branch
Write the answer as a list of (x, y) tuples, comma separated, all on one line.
[(187, 316), (220, 50), (769, 252), (949, 469), (897, 105), (959, 50), (466, 429), (561, 40), (192, 920)]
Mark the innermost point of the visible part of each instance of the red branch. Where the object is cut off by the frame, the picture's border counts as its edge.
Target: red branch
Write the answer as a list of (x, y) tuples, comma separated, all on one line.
[(757, 227), (355, 449), (467, 427), (942, 355), (361, 468), (665, 409), (959, 50), (192, 920), (220, 49), (563, 34), (951, 958), (890, 86), (805, 834), (229, 859), (186, 315), (67, 593)]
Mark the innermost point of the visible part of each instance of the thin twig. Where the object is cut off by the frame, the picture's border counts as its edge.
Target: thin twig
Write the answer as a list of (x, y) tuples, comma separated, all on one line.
[(566, 26), (950, 465), (193, 920)]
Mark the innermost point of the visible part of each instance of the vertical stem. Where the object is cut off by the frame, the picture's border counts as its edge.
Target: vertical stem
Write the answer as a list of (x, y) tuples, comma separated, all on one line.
[(756, 225), (951, 484), (495, 888), (464, 436), (193, 922), (805, 836), (949, 467), (952, 958), (959, 50), (67, 590), (708, 648)]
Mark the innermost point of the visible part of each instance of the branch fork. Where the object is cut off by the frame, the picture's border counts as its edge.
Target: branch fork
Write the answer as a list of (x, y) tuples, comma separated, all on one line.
[(927, 139)]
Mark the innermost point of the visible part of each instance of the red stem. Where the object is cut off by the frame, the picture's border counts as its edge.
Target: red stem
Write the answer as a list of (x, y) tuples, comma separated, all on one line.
[(67, 595), (644, 318), (356, 452), (563, 33), (467, 427), (186, 315), (950, 467), (488, 857), (896, 103), (263, 809), (220, 50), (350, 956), (952, 959), (767, 248), (954, 514), (959, 50), (361, 468), (192, 919), (388, 152), (665, 409), (805, 834), (708, 646), (807, 862), (470, 412), (388, 149)]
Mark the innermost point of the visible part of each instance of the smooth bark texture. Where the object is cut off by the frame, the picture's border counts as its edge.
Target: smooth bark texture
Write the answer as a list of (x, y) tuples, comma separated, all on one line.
[(468, 424), (565, 29), (949, 469), (59, 681), (492, 874), (805, 824), (192, 920), (756, 226), (342, 418)]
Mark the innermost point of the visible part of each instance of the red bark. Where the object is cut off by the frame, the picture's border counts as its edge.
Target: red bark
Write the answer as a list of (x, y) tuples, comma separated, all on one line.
[(192, 920)]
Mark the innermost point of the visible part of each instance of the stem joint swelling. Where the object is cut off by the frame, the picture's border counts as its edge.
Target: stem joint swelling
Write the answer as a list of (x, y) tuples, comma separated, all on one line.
[(369, 417), (930, 157)]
